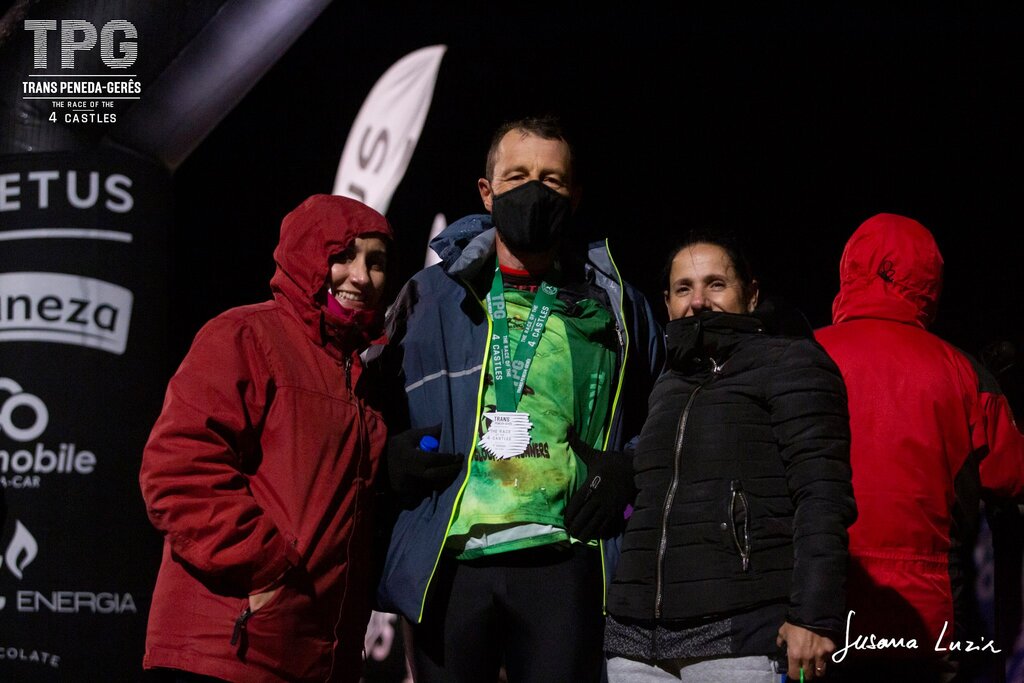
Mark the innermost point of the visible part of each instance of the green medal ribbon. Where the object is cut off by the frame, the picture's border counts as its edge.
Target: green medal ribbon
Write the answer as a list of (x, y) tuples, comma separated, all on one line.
[(510, 373)]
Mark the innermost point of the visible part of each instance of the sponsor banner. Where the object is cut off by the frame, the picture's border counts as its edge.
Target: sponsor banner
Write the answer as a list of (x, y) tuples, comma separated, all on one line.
[(22, 653), (24, 418), (387, 128), (83, 305), (68, 309)]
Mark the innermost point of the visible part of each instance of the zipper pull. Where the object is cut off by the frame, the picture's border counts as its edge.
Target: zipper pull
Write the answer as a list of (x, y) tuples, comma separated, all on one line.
[(236, 634), (348, 374), (715, 367), (618, 333)]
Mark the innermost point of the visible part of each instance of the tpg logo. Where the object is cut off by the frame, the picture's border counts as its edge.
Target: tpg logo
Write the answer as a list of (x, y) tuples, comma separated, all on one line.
[(79, 34)]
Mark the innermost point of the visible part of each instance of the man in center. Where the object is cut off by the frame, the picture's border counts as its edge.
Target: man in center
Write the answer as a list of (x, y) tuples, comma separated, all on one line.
[(522, 341)]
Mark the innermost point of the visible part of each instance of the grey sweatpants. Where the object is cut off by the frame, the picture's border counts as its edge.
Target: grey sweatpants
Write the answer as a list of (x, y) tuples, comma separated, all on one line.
[(758, 669)]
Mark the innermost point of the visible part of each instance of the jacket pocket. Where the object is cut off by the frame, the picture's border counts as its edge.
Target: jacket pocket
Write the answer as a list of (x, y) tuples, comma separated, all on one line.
[(239, 633), (739, 521)]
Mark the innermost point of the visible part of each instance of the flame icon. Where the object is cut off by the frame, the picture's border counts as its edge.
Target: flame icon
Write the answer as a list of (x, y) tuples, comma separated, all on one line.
[(21, 551)]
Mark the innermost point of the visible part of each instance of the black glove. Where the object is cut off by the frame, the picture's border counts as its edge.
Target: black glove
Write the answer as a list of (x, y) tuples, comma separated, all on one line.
[(597, 509), (415, 472)]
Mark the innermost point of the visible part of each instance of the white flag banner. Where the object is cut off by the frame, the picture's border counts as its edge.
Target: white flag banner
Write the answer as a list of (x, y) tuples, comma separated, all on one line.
[(440, 223), (387, 129), (376, 156)]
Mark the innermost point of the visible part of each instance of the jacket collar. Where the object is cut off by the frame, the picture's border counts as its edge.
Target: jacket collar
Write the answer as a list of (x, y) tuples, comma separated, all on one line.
[(710, 334), (467, 248)]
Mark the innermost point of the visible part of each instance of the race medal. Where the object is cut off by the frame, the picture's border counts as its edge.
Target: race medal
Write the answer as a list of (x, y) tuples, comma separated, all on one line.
[(508, 434)]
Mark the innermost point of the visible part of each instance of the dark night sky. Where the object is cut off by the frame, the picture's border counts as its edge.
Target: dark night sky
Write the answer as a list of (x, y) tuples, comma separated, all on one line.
[(790, 126)]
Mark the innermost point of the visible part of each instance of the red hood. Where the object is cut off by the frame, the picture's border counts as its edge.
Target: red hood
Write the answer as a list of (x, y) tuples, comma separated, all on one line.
[(891, 269), (320, 227)]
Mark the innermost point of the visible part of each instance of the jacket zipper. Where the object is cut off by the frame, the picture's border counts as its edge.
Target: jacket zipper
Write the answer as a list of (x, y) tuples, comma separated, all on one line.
[(623, 334), (236, 633), (743, 546), (362, 442), (659, 567)]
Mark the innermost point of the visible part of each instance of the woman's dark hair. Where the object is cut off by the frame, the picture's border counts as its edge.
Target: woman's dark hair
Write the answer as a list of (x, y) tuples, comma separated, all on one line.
[(727, 241)]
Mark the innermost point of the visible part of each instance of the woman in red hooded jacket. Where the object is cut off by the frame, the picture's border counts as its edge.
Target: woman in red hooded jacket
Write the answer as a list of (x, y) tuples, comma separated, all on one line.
[(259, 469)]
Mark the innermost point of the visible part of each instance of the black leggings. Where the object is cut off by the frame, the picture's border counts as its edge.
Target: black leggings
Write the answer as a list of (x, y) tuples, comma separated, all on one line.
[(537, 611)]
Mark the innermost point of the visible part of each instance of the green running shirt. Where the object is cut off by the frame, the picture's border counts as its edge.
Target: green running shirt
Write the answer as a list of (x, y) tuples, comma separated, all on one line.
[(519, 502)]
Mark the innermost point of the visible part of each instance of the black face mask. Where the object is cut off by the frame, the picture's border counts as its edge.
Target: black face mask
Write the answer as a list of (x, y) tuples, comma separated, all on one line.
[(531, 217)]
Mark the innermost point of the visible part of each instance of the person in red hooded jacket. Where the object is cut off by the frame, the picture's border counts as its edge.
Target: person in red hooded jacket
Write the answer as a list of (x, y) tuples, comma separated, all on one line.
[(930, 434), (259, 469)]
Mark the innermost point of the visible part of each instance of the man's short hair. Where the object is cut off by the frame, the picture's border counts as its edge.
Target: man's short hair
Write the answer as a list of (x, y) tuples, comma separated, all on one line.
[(548, 127)]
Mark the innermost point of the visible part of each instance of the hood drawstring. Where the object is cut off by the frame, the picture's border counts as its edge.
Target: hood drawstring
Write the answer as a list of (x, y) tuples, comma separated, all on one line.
[(886, 271)]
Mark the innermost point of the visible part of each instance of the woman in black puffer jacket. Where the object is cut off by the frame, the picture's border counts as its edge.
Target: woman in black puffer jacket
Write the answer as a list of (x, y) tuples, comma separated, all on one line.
[(737, 544)]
